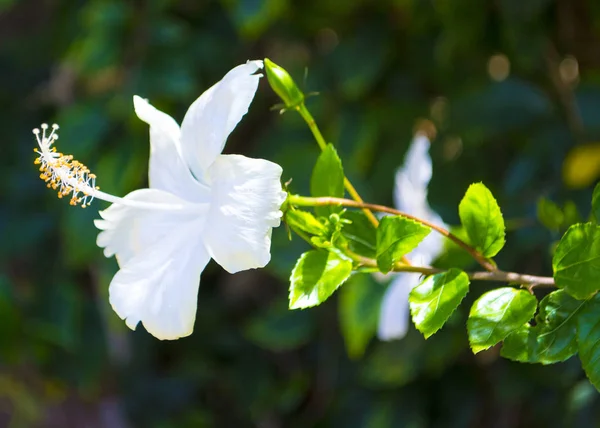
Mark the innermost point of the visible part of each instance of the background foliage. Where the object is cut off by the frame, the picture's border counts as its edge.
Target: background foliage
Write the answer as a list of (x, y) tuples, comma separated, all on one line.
[(513, 89)]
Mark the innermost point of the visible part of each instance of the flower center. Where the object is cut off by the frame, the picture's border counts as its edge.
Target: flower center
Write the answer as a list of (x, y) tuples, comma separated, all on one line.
[(62, 172)]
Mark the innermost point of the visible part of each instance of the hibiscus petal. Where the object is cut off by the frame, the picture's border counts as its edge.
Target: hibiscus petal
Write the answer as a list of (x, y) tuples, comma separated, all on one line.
[(246, 203), (127, 230), (167, 169), (412, 179), (417, 162), (395, 314), (410, 195), (212, 117), (159, 286)]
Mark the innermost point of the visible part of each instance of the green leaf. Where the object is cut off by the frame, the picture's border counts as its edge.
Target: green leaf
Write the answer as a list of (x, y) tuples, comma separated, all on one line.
[(481, 216), (304, 222), (550, 214), (433, 301), (396, 237), (576, 261), (596, 203), (360, 234), (496, 314), (553, 339), (359, 305), (315, 277), (588, 338), (328, 179)]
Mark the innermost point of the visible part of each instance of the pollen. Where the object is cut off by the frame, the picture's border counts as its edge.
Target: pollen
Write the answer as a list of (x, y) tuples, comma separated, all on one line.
[(69, 177)]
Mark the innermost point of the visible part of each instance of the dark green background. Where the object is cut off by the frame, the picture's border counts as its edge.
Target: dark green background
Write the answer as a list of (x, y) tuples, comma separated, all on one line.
[(66, 360)]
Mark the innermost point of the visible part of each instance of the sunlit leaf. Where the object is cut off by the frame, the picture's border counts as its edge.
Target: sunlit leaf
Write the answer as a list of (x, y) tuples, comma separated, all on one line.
[(498, 313), (481, 216), (553, 338), (315, 277), (436, 298), (304, 222), (328, 179), (396, 237), (576, 261)]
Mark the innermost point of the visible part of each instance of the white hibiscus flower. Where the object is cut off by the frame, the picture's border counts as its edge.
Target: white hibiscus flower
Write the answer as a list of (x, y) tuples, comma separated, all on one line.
[(201, 204), (410, 196)]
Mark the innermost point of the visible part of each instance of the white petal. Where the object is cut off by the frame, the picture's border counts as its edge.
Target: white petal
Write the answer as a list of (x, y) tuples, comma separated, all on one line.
[(167, 169), (410, 195), (417, 162), (245, 206), (159, 286), (412, 179), (127, 231), (395, 314), (212, 117)]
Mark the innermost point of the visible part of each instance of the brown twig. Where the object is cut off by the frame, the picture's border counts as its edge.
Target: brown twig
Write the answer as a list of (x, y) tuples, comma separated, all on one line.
[(497, 275)]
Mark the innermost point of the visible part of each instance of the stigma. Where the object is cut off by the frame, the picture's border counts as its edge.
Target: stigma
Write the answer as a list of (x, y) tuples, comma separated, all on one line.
[(69, 177)]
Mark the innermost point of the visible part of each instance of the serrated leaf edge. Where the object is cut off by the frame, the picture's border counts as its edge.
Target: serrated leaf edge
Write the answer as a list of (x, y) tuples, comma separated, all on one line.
[(427, 336), (485, 348), (304, 255)]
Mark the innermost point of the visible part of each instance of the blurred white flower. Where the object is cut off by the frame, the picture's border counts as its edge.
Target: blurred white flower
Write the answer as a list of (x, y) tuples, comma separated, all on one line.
[(200, 204), (410, 196)]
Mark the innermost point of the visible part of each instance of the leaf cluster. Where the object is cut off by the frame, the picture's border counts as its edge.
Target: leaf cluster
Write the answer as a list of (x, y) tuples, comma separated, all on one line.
[(345, 242)]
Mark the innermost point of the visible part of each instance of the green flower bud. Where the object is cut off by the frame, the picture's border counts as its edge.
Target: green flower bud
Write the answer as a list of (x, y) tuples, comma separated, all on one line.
[(283, 84)]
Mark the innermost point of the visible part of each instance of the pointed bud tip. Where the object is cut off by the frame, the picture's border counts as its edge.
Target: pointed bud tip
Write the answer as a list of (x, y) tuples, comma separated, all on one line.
[(282, 83)]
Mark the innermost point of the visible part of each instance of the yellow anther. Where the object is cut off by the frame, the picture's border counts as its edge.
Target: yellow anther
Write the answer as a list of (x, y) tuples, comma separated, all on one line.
[(61, 172)]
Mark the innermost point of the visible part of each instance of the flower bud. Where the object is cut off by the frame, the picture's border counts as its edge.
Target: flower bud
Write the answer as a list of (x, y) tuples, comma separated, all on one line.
[(283, 84)]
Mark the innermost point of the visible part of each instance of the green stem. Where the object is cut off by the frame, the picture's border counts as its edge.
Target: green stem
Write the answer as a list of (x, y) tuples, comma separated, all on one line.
[(304, 236), (305, 201), (312, 125)]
